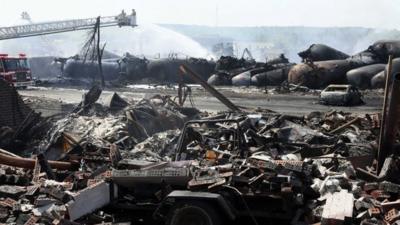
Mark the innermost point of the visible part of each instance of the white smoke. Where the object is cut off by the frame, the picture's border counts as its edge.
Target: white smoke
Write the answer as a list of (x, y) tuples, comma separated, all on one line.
[(147, 39), (152, 40), (40, 45)]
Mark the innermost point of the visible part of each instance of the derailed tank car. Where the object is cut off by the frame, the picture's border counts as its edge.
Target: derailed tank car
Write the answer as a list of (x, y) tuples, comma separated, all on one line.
[(272, 77), (361, 77), (167, 70), (320, 52), (228, 67), (241, 72), (382, 49), (134, 69), (78, 69), (378, 80), (321, 74)]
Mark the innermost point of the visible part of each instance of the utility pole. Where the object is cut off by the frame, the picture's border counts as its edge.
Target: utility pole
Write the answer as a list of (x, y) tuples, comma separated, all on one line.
[(99, 52), (93, 50)]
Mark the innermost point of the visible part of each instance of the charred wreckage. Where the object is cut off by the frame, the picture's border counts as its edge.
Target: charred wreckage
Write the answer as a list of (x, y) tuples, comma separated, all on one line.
[(155, 161), (109, 163), (321, 66)]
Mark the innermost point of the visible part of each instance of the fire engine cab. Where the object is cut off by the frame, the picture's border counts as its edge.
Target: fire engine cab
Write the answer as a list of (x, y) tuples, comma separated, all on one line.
[(15, 70)]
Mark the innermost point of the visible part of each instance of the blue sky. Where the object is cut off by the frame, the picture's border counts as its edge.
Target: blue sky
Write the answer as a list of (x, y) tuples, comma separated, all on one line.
[(326, 13)]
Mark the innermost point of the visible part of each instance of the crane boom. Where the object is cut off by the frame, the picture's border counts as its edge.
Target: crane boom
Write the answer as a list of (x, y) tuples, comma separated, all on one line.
[(44, 28)]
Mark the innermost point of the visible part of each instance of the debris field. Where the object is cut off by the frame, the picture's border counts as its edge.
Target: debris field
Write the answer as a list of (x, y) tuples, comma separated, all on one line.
[(157, 161), (105, 163)]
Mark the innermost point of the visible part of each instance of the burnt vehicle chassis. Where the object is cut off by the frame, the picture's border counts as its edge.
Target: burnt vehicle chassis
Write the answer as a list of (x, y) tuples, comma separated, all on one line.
[(229, 189), (341, 95)]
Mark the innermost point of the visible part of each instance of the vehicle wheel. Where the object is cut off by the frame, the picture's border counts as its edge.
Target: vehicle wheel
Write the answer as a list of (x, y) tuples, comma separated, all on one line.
[(194, 213)]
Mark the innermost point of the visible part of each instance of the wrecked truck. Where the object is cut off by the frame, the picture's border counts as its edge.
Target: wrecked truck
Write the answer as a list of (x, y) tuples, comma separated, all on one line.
[(210, 181)]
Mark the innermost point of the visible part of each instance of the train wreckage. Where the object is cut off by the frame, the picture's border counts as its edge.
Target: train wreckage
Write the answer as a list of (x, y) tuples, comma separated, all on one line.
[(321, 66)]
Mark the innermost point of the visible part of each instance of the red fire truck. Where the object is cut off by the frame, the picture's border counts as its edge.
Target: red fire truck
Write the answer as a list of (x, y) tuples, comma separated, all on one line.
[(15, 70)]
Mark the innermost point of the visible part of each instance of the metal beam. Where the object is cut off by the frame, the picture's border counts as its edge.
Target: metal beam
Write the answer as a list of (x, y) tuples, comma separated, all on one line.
[(382, 153), (28, 163), (186, 70), (391, 123)]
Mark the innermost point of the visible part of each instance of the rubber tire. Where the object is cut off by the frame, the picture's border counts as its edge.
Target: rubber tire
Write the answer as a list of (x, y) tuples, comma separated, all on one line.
[(193, 213)]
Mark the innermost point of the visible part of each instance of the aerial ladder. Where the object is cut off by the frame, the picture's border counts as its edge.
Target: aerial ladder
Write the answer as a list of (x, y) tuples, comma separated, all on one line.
[(36, 29)]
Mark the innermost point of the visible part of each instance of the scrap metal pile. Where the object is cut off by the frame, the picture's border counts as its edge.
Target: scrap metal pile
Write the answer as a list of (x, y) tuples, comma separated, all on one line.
[(311, 164), (135, 155), (75, 150), (242, 72)]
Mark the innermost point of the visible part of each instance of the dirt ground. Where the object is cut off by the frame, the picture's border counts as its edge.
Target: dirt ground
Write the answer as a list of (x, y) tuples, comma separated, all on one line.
[(51, 101)]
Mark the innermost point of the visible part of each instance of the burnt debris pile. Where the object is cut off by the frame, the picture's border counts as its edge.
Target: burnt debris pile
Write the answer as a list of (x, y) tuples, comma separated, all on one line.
[(104, 160), (19, 124), (247, 72)]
